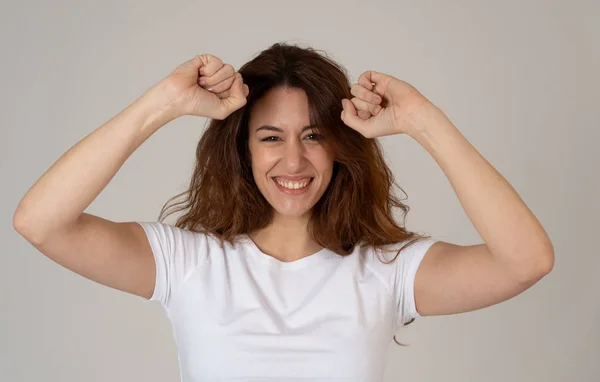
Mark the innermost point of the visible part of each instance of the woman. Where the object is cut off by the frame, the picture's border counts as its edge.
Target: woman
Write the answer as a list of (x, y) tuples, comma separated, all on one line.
[(288, 262)]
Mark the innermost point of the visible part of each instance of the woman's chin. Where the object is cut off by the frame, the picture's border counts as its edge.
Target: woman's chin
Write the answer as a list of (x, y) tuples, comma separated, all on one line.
[(298, 212)]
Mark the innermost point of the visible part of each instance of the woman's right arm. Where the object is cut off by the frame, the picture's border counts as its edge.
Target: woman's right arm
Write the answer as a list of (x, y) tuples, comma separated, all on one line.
[(50, 215), (116, 254)]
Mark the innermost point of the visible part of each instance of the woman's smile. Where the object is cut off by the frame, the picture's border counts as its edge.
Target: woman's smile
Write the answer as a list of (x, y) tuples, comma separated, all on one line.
[(293, 188)]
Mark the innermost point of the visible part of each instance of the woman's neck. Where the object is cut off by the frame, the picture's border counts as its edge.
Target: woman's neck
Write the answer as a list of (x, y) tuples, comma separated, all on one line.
[(286, 239)]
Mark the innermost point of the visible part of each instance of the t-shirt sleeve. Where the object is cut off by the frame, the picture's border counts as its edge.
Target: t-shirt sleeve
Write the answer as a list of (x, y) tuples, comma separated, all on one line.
[(177, 252), (407, 264)]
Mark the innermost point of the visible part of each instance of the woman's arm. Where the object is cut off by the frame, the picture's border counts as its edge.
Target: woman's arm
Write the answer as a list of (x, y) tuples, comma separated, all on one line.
[(118, 255), (452, 278), (69, 186), (50, 215), (510, 230), (517, 251)]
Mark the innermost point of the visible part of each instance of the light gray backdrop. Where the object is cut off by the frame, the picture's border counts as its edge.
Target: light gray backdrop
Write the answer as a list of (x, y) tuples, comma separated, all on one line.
[(518, 78)]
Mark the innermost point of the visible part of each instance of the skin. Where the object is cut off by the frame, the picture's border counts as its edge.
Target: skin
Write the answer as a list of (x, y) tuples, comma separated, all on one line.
[(289, 152)]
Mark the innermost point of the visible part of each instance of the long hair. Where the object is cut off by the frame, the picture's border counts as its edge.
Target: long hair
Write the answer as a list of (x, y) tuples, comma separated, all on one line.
[(358, 205)]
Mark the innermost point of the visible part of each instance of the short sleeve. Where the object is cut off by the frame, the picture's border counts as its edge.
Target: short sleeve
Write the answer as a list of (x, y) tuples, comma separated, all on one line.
[(177, 252), (407, 264)]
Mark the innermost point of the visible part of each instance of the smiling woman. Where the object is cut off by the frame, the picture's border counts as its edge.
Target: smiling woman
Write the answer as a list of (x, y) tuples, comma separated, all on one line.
[(290, 129), (287, 263)]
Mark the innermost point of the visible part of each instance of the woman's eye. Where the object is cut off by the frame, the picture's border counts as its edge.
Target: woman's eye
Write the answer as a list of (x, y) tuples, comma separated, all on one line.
[(268, 139), (316, 137)]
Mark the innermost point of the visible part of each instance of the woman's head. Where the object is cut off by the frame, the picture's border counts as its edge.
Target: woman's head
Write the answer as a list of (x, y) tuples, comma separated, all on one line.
[(290, 164), (291, 127)]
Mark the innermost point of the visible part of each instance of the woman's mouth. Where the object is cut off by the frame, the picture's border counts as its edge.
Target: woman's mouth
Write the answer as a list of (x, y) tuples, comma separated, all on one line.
[(292, 187)]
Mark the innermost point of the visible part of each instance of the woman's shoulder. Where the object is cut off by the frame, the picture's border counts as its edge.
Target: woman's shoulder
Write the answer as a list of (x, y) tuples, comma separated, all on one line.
[(393, 262), (174, 239), (396, 250), (390, 259)]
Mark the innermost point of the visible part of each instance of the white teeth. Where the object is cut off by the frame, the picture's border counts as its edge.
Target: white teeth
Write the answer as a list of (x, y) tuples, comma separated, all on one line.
[(293, 185)]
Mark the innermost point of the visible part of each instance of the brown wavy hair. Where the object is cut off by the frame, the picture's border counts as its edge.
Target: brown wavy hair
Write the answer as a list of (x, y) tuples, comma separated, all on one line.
[(357, 206)]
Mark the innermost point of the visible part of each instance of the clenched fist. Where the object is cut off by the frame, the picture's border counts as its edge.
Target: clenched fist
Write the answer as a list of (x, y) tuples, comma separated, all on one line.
[(204, 86)]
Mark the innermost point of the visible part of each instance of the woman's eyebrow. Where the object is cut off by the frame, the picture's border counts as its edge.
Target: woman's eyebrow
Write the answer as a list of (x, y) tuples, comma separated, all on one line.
[(274, 128)]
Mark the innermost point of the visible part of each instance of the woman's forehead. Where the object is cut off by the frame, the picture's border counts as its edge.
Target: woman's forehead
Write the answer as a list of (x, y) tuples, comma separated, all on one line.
[(285, 109)]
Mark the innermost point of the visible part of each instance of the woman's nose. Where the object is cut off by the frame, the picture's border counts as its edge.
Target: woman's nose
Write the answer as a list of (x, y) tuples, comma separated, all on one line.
[(294, 155)]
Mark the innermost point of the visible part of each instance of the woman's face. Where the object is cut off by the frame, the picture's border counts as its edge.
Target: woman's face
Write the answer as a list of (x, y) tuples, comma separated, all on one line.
[(290, 166)]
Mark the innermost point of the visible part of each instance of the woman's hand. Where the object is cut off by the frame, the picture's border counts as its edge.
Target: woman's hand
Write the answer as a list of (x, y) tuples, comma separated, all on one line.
[(391, 106), (205, 87)]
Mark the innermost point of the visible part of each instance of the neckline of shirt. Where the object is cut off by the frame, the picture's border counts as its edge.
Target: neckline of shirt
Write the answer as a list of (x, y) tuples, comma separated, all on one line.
[(320, 256)]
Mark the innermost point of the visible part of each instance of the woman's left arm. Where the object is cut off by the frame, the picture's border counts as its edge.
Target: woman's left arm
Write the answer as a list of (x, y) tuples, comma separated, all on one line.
[(516, 252)]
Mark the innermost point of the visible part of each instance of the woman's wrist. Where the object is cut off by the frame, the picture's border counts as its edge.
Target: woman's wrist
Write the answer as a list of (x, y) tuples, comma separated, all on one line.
[(155, 107)]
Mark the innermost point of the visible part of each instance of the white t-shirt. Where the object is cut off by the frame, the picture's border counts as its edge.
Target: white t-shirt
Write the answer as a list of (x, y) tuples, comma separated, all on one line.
[(238, 314)]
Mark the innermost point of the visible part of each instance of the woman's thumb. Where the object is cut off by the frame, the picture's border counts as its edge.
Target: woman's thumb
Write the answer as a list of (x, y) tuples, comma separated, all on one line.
[(350, 116), (241, 88), (238, 91)]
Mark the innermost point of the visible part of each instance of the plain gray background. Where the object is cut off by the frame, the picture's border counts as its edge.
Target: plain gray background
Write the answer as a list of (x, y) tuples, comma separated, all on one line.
[(518, 78)]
